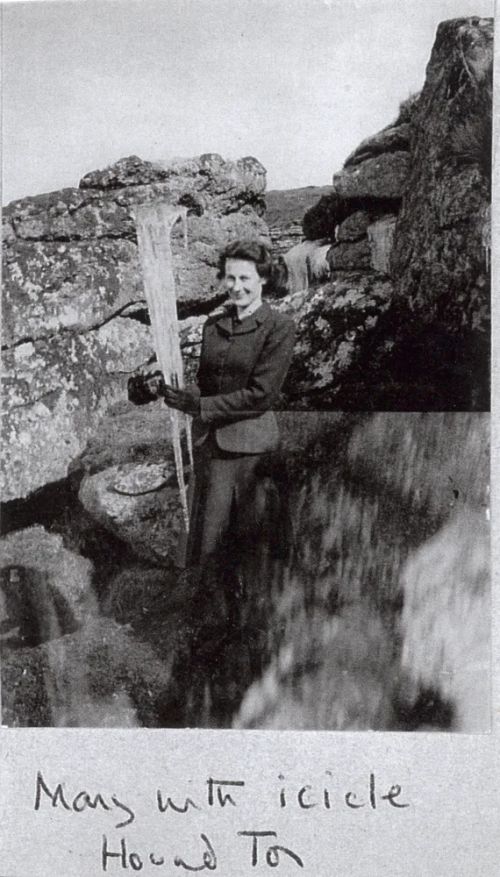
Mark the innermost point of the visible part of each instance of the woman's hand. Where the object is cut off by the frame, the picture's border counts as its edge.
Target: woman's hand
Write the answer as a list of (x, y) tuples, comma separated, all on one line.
[(183, 400), (144, 388)]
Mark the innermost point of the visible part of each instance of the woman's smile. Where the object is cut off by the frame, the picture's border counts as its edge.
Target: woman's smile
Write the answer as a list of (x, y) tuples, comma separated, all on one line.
[(244, 285)]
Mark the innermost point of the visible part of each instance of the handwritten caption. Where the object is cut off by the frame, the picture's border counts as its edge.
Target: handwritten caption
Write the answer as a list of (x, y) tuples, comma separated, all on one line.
[(256, 848)]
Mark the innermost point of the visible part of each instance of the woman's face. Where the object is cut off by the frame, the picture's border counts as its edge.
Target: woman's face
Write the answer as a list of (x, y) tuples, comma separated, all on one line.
[(243, 284)]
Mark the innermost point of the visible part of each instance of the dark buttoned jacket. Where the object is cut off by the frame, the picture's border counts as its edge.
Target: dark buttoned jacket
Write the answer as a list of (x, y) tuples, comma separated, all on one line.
[(242, 368)]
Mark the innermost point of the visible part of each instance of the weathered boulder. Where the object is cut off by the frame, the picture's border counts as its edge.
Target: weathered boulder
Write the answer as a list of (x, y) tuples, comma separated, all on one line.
[(47, 589), (360, 245), (438, 257), (425, 209), (73, 258), (371, 184), (150, 521), (333, 324), (230, 183), (75, 285), (348, 256), (383, 176), (354, 227), (55, 392), (332, 216), (72, 214), (395, 138)]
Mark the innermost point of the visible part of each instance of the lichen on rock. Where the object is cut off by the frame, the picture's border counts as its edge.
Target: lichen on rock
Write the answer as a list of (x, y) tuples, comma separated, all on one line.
[(71, 269)]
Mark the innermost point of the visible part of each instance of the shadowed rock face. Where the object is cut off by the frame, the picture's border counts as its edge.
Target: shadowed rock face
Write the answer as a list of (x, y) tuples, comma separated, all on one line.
[(438, 262), (66, 573), (411, 206), (354, 228)]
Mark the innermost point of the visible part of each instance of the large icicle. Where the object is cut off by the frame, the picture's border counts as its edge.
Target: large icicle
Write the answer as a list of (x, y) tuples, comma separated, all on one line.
[(154, 225)]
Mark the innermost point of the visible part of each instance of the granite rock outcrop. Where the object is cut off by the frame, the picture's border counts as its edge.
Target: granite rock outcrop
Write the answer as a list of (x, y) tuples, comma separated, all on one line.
[(74, 324), (412, 207), (408, 214)]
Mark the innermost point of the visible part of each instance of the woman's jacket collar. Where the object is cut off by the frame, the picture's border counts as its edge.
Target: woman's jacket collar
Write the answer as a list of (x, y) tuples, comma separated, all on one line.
[(225, 322)]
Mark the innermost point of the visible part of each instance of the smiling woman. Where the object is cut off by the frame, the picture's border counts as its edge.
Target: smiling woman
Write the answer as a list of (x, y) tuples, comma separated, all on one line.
[(246, 352), (245, 355), (244, 285)]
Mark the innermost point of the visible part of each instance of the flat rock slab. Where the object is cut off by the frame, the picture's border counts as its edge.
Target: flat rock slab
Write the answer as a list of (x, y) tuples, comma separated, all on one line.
[(151, 523), (383, 176), (395, 138)]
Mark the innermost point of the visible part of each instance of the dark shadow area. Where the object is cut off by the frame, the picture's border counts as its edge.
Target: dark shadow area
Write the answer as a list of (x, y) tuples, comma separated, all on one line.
[(428, 712), (33, 611), (295, 620)]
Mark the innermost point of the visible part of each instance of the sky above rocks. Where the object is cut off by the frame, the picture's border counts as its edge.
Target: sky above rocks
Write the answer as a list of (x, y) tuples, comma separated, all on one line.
[(296, 83)]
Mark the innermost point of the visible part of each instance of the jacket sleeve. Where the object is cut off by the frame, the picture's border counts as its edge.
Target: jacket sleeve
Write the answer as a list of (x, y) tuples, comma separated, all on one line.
[(264, 383)]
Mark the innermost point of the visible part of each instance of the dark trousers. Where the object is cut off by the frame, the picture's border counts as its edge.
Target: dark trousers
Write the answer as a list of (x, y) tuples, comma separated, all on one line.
[(234, 517), (221, 500)]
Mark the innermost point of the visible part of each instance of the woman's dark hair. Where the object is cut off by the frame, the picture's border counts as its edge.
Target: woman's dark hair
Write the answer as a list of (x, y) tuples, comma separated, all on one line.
[(250, 250)]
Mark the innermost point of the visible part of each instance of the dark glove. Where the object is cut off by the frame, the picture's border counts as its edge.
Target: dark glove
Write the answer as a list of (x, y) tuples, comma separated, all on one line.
[(183, 400), (146, 387)]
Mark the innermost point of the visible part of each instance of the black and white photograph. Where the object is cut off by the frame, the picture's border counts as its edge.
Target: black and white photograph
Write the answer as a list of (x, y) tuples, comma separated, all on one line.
[(246, 365)]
